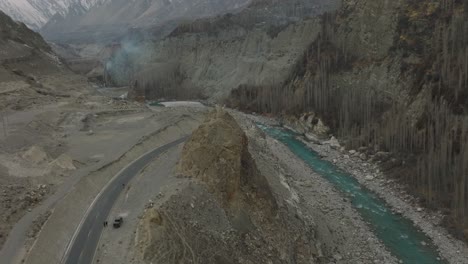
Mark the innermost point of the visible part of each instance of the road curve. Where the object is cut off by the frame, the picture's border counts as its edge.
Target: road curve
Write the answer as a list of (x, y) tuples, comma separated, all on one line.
[(83, 245)]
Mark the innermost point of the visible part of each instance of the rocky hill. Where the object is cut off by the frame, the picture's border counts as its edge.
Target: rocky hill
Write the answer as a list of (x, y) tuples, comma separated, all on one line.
[(217, 154), (227, 213)]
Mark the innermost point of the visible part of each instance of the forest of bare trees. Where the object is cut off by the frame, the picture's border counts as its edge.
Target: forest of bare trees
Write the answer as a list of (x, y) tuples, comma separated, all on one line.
[(167, 83), (431, 145)]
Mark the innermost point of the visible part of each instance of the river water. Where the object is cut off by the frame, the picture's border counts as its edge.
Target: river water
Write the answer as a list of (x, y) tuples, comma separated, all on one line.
[(398, 234)]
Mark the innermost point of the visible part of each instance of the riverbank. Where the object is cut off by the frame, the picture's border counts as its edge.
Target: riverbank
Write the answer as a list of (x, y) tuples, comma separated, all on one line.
[(401, 202), (342, 234), (369, 175)]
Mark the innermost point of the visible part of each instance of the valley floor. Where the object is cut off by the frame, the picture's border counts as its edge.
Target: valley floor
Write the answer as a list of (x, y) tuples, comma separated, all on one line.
[(56, 158)]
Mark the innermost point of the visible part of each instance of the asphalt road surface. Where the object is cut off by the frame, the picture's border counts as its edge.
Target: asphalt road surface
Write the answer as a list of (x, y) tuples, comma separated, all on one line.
[(84, 243)]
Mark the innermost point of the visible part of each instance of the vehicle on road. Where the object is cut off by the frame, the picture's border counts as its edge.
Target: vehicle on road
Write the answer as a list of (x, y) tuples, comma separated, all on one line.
[(118, 222)]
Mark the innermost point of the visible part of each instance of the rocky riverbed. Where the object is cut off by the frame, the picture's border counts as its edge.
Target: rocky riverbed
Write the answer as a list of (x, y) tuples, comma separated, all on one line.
[(368, 171)]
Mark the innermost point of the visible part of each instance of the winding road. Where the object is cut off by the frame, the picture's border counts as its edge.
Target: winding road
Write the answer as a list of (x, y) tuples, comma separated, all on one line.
[(82, 246)]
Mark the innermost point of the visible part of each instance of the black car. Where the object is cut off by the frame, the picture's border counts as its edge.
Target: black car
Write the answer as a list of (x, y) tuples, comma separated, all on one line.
[(118, 222)]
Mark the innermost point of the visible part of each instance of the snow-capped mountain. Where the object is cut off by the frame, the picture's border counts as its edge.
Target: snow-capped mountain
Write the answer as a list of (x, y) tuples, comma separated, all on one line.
[(36, 13), (74, 19), (113, 18)]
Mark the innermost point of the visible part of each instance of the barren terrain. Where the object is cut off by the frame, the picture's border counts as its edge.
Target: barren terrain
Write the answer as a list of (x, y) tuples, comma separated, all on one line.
[(177, 216), (47, 148)]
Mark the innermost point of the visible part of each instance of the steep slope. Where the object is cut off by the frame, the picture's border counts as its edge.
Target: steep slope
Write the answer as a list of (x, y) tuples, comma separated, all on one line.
[(30, 72), (258, 45), (391, 82), (19, 33), (22, 10), (114, 18), (36, 13)]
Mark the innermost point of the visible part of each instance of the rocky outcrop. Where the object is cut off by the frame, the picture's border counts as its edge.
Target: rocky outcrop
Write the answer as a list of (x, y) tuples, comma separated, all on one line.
[(308, 124), (217, 154), (227, 211)]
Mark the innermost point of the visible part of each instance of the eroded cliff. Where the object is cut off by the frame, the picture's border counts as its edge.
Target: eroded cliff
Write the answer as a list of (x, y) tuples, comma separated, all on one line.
[(257, 46)]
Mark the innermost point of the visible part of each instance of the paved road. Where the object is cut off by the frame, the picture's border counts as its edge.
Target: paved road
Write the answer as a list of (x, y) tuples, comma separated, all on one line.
[(84, 243)]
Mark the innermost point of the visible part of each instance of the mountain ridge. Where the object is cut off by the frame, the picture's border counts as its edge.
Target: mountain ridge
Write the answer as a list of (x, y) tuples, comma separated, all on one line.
[(36, 13), (116, 17)]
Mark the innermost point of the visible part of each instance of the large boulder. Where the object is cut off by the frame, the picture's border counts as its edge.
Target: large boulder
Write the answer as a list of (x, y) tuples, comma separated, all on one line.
[(217, 154)]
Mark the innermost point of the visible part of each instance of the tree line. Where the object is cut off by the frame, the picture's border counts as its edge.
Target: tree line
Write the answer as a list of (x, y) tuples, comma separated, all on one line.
[(165, 83)]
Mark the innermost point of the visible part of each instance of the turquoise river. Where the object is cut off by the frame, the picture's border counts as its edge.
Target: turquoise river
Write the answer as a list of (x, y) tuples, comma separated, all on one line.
[(397, 233)]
